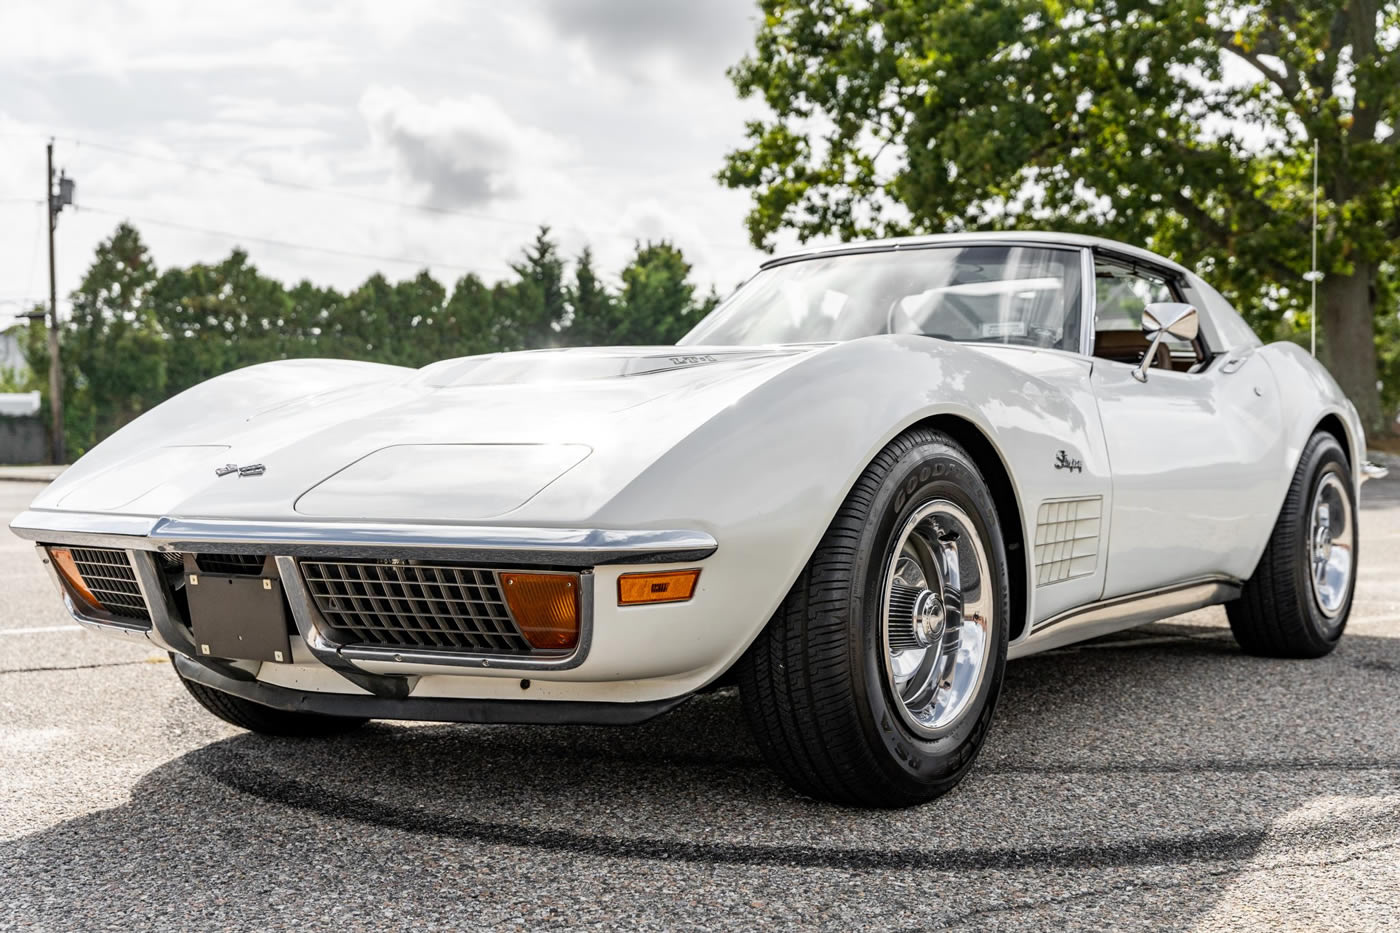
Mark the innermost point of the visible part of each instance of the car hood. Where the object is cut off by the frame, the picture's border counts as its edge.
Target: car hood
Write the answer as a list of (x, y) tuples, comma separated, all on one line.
[(470, 439)]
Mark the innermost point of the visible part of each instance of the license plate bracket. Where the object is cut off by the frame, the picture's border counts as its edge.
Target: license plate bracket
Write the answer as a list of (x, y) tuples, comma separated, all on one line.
[(238, 617)]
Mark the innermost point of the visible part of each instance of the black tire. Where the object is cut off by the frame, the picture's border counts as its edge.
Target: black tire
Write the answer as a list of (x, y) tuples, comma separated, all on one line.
[(264, 719), (815, 686), (1278, 614)]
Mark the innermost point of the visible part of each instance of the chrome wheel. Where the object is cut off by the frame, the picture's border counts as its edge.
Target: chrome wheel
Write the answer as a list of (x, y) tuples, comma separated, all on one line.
[(936, 618), (1330, 540)]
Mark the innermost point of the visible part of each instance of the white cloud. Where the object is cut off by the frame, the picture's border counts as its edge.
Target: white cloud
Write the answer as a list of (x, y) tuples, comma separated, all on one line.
[(119, 36), (642, 37), (605, 128), (463, 152)]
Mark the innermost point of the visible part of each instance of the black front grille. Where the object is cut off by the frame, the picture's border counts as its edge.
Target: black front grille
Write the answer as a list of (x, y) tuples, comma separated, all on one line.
[(109, 577), (248, 565), (405, 605)]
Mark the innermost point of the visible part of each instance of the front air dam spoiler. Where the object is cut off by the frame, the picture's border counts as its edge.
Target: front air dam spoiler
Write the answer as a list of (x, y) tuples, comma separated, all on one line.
[(427, 709)]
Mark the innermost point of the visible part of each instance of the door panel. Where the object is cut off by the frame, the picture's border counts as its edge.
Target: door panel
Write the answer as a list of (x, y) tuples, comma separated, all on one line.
[(1193, 458)]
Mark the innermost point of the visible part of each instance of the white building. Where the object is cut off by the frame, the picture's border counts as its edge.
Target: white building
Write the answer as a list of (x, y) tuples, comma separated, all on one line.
[(11, 356), (19, 404)]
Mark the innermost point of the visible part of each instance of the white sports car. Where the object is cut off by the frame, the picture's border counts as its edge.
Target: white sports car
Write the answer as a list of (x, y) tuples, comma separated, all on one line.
[(856, 489)]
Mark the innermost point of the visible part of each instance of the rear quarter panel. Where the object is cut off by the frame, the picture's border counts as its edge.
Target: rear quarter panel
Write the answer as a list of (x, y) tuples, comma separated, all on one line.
[(1309, 394)]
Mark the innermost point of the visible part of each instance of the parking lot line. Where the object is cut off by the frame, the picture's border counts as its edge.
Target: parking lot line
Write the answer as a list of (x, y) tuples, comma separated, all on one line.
[(40, 629)]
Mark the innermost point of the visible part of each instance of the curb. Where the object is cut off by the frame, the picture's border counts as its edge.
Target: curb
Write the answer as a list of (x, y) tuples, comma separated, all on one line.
[(31, 474)]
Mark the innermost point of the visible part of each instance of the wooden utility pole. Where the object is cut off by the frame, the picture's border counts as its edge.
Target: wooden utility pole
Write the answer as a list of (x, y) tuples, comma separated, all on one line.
[(55, 370)]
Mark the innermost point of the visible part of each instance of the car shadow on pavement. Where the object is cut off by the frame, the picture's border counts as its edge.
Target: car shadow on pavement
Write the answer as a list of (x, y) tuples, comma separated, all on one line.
[(1167, 755)]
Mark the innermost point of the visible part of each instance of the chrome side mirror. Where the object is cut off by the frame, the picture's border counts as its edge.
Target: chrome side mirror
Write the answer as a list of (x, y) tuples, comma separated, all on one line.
[(1162, 318)]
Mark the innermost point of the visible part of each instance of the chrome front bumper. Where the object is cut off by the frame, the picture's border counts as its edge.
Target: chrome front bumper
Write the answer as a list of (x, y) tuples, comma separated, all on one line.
[(563, 547), (143, 538)]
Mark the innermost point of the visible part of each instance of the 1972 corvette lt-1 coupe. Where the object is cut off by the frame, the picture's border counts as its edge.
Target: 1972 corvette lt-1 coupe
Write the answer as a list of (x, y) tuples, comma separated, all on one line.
[(856, 489)]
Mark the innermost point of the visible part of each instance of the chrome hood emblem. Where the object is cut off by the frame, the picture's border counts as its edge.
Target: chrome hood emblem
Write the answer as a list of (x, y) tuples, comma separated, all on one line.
[(252, 469)]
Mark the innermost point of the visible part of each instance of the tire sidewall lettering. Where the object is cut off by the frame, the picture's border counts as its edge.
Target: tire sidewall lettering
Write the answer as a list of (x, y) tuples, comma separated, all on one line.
[(920, 478)]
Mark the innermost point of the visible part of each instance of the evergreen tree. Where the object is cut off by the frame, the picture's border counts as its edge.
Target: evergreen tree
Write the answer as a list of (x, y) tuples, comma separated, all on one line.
[(658, 303), (532, 309), (113, 351), (469, 324), (592, 307)]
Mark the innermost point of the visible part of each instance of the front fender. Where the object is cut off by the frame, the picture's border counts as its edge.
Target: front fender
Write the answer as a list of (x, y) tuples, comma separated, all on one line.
[(766, 474)]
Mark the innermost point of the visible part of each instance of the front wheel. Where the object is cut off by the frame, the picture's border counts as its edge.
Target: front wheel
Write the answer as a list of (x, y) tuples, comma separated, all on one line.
[(874, 683)]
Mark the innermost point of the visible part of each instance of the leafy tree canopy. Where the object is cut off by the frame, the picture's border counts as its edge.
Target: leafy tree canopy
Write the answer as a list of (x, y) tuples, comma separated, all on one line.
[(1184, 125), (657, 303), (138, 335)]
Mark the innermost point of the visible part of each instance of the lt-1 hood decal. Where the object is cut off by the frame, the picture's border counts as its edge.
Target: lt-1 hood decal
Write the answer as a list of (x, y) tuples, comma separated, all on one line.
[(569, 365)]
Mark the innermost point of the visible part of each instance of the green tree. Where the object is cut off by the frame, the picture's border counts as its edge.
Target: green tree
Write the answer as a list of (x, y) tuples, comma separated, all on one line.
[(13, 380), (137, 336), (657, 303), (20, 378), (470, 324), (112, 351), (531, 310), (1187, 126), (592, 307), (392, 322), (219, 318), (313, 314)]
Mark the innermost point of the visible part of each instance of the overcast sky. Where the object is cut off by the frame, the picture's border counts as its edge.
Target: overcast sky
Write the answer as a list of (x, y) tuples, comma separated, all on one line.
[(606, 119)]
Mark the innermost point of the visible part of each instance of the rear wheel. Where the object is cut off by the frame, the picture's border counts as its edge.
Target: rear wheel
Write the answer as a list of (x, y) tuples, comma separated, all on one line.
[(875, 682), (1296, 604), (264, 719)]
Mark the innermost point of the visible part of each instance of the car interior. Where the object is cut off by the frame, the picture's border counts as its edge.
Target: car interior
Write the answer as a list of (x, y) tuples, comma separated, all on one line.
[(990, 295), (1122, 291)]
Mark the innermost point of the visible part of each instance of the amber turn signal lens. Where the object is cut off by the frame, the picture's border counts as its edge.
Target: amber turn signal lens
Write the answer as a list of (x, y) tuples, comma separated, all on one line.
[(545, 607), (672, 586), (68, 569)]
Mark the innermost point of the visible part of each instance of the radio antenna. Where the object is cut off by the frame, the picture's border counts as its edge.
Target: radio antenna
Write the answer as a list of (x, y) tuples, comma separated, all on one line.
[(1314, 276)]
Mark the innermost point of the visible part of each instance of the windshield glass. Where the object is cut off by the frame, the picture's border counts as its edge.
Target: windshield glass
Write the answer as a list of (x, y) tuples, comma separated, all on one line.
[(981, 294)]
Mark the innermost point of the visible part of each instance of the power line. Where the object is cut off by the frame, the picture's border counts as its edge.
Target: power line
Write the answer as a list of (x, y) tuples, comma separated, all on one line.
[(340, 192), (295, 185), (281, 244), (288, 183)]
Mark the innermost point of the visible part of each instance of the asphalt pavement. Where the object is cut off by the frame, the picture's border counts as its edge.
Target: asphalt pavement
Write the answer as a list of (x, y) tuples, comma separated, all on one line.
[(1157, 779)]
